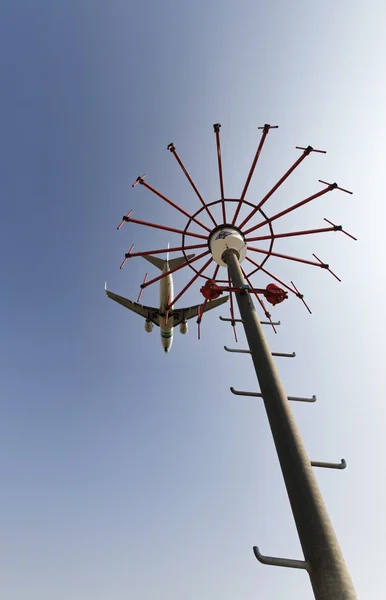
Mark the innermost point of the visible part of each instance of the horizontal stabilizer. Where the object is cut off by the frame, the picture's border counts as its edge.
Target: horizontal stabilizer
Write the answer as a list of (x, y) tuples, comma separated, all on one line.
[(154, 260), (176, 262), (173, 262)]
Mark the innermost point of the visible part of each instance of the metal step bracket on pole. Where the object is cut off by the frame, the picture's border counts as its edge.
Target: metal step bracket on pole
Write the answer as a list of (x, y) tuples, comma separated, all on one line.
[(328, 465), (240, 321), (282, 354), (260, 395), (280, 562)]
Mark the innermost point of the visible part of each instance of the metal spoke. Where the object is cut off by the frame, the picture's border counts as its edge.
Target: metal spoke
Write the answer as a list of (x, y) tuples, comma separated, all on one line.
[(265, 131), (165, 250), (306, 152), (216, 128), (129, 219), (277, 236), (286, 257), (331, 186), (173, 150), (202, 307), (141, 181)]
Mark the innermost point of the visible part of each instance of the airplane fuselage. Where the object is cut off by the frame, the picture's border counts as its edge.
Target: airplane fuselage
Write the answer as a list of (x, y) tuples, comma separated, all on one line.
[(166, 298), (159, 316)]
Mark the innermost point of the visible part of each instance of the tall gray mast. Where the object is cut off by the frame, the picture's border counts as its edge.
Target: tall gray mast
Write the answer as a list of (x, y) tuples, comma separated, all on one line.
[(227, 241)]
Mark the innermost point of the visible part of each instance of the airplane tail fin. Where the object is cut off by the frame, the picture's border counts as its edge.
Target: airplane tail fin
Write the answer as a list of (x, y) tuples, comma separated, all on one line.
[(160, 263)]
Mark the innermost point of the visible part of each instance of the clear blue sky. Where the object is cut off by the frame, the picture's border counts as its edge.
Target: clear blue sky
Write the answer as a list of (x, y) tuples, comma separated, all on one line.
[(126, 473)]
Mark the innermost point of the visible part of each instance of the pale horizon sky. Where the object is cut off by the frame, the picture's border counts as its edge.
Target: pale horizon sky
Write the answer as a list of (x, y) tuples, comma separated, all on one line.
[(127, 473)]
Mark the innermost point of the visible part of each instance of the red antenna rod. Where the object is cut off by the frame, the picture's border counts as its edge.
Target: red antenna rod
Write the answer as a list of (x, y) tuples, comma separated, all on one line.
[(267, 273), (339, 228), (172, 149), (285, 285), (306, 152), (216, 129), (141, 289), (199, 323), (331, 186), (287, 257), (125, 219), (277, 236), (126, 257), (164, 227), (327, 267), (233, 321), (299, 295), (202, 307), (164, 250), (141, 181), (267, 314), (265, 131)]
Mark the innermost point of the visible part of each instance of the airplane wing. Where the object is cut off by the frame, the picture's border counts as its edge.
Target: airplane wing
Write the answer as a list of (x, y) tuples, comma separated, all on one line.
[(184, 314), (147, 312)]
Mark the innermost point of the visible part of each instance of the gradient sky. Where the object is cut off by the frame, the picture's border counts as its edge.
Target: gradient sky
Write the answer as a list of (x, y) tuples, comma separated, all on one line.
[(126, 473)]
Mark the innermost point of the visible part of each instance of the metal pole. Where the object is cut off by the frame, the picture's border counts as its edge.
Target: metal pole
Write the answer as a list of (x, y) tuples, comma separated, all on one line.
[(327, 570)]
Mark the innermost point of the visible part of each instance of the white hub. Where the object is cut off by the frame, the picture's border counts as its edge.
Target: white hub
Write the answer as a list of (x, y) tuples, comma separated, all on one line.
[(225, 238)]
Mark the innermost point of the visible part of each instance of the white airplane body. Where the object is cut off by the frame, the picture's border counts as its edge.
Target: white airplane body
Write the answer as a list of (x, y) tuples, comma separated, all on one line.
[(158, 316), (166, 293)]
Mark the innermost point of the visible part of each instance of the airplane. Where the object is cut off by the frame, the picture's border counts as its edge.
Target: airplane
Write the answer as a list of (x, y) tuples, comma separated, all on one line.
[(157, 316)]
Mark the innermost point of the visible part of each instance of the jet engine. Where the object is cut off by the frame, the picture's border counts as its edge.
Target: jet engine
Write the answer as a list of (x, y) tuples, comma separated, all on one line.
[(183, 327), (148, 326)]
